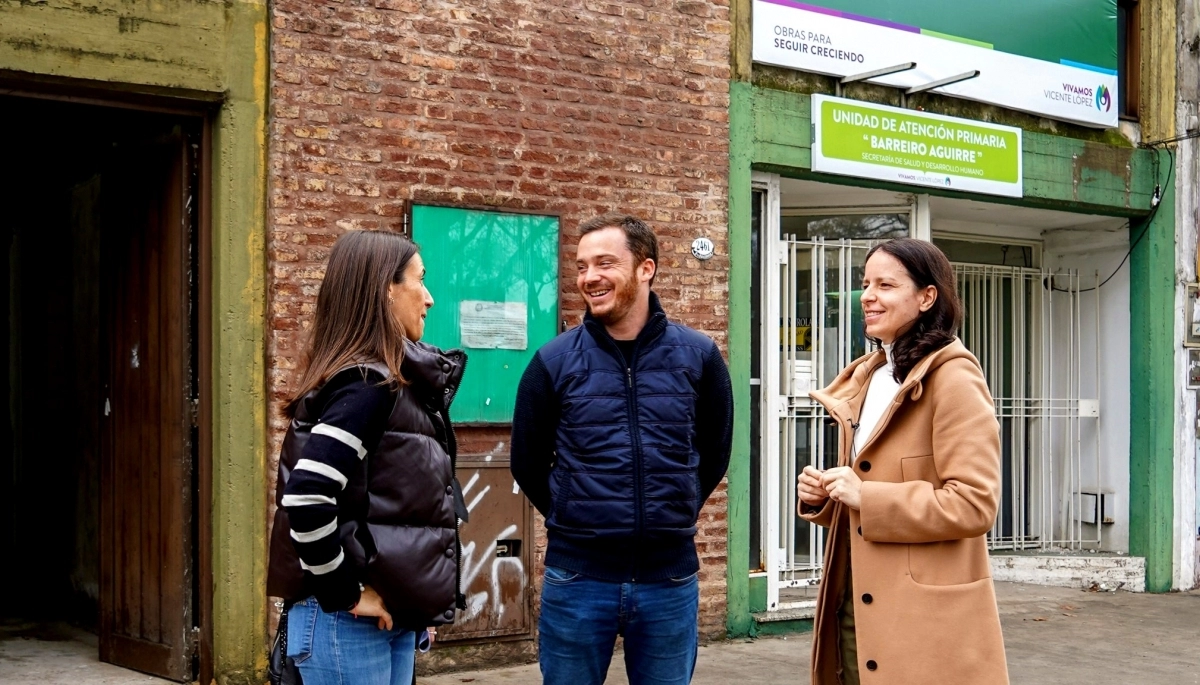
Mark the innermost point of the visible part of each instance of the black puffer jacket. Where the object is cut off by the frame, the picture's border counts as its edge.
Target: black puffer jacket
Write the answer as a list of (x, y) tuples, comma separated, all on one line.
[(397, 517)]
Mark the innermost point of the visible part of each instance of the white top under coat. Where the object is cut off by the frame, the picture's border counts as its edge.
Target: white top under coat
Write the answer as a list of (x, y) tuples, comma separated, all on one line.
[(880, 393)]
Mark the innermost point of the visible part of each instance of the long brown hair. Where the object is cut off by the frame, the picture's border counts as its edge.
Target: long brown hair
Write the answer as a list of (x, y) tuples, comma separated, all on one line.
[(936, 327), (353, 322)]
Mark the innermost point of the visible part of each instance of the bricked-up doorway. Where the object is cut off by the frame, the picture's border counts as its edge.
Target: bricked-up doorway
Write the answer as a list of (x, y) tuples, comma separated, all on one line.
[(99, 504)]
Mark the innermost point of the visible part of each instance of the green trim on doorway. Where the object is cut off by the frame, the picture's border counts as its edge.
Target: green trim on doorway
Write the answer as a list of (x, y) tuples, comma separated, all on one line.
[(1152, 390), (758, 594), (239, 353), (207, 52), (738, 621)]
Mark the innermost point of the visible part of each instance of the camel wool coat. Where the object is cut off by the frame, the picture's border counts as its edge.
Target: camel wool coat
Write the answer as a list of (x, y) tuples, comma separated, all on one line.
[(924, 605)]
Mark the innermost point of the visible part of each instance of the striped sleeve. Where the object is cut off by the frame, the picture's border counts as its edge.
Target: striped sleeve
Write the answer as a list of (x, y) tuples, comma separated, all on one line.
[(354, 412)]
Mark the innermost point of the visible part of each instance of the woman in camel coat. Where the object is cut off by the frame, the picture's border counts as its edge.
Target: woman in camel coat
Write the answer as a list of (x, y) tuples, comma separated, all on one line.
[(907, 596)]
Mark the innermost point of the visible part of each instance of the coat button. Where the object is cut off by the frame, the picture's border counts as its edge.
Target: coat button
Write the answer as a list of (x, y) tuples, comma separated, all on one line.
[(871, 665), (449, 489), (867, 598), (445, 367), (450, 552), (449, 614), (865, 466), (860, 530)]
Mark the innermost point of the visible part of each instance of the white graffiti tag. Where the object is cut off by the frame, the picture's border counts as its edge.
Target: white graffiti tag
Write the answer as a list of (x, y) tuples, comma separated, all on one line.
[(471, 568)]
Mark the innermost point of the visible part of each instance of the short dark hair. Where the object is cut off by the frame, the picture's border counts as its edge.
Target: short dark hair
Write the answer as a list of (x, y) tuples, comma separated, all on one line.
[(639, 237), (935, 328)]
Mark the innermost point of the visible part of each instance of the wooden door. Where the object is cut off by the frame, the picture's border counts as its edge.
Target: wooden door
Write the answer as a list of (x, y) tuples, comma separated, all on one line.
[(147, 560)]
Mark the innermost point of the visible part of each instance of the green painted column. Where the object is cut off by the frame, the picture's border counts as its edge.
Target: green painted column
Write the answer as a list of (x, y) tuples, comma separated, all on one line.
[(741, 148), (239, 410), (1152, 388)]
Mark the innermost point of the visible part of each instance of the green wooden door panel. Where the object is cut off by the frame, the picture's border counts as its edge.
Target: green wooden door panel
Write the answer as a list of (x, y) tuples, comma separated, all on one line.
[(494, 280)]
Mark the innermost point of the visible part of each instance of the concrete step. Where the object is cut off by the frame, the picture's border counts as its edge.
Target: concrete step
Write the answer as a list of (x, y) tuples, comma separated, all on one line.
[(1098, 571), (805, 611)]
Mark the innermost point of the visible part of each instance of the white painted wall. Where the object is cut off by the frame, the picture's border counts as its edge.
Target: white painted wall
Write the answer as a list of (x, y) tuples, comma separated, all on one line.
[(1186, 556)]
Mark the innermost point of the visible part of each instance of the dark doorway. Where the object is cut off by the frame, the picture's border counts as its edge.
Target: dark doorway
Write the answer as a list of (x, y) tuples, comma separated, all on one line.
[(98, 505)]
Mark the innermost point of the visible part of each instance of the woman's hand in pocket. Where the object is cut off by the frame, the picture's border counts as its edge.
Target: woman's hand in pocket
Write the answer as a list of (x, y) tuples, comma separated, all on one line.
[(371, 604), (809, 488)]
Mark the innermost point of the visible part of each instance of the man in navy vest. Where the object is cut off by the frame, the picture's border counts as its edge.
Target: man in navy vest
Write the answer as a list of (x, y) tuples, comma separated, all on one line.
[(622, 430)]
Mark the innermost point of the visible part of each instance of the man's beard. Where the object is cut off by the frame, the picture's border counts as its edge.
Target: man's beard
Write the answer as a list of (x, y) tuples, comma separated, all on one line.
[(623, 300)]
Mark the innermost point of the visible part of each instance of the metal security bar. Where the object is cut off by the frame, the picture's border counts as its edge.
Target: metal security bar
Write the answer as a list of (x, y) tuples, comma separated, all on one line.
[(819, 333), (1026, 326)]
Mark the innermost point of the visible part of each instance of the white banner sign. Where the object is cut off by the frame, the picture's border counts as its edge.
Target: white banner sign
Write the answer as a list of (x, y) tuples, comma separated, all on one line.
[(789, 36)]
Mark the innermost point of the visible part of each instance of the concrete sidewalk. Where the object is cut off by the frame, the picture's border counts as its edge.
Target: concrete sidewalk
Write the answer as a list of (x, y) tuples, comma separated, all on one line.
[(1056, 636), (1053, 636)]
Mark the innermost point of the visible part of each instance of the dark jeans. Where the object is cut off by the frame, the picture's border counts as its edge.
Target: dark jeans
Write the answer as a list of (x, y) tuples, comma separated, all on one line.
[(581, 618)]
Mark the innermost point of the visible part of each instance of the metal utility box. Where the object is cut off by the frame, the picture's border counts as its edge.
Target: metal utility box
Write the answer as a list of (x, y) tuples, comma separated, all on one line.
[(497, 555)]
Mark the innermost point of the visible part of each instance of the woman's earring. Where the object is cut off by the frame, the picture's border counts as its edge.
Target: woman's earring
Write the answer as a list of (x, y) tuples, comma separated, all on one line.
[(391, 301)]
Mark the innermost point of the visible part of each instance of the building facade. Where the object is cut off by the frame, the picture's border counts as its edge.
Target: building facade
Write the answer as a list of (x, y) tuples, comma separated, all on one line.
[(193, 161), (1074, 279), (424, 117)]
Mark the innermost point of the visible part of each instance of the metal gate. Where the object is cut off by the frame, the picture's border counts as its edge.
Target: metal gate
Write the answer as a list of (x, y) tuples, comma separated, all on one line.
[(1037, 334), (813, 293)]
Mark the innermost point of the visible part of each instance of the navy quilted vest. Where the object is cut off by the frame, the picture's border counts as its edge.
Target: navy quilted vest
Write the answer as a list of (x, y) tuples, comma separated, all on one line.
[(626, 464)]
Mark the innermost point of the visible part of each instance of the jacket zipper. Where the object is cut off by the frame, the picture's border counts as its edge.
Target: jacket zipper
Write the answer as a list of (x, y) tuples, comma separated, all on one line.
[(637, 460), (460, 600), (631, 403)]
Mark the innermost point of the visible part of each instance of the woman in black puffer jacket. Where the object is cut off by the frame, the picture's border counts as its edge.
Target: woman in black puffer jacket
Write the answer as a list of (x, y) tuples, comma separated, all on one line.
[(364, 547)]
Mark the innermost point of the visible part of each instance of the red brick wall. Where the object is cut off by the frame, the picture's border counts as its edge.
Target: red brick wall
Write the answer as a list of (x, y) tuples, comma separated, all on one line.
[(566, 107)]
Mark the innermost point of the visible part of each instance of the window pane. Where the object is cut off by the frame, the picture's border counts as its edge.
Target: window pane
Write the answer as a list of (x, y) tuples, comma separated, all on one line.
[(854, 226)]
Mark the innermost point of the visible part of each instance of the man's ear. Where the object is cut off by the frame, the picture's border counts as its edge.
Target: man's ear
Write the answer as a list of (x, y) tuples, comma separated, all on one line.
[(647, 269)]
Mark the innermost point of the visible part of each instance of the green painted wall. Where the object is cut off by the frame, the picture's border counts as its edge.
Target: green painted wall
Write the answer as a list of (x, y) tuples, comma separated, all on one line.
[(207, 50), (741, 132), (1152, 392), (770, 130), (1060, 173), (170, 43)]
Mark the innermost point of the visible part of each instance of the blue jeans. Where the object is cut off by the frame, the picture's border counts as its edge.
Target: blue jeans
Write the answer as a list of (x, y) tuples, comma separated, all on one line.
[(581, 618), (340, 649)]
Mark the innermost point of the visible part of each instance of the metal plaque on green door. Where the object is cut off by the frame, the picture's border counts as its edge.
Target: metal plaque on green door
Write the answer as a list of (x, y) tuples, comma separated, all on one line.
[(494, 281)]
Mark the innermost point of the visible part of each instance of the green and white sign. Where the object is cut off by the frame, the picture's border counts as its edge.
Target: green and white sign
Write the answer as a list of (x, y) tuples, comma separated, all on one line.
[(853, 138), (1054, 59)]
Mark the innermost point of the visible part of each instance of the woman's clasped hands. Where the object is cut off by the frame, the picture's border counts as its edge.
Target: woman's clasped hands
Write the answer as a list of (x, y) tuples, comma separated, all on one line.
[(841, 484)]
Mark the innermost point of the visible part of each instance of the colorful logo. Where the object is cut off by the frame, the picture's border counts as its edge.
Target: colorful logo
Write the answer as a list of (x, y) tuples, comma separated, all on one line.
[(1103, 99)]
